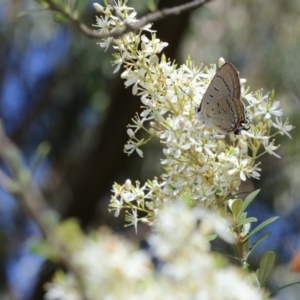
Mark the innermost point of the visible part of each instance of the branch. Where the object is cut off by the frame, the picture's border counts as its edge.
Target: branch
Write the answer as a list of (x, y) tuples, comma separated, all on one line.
[(149, 18), (31, 200)]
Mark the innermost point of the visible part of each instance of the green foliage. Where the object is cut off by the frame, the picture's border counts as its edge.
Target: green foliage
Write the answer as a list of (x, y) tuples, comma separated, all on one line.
[(257, 242), (60, 18), (248, 200), (242, 226), (265, 266), (69, 234), (261, 226), (151, 4), (43, 3), (80, 6), (59, 276), (64, 7), (42, 247)]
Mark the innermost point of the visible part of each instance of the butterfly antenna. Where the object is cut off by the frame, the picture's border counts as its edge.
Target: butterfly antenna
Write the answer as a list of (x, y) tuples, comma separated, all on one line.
[(188, 96)]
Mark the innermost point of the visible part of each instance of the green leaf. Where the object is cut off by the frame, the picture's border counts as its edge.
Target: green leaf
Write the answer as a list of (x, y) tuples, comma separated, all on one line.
[(58, 2), (242, 216), (43, 248), (235, 207), (43, 3), (151, 4), (253, 279), (60, 18), (248, 200), (265, 266), (260, 226), (211, 237), (59, 277), (227, 255), (70, 234), (80, 5), (257, 242), (246, 221)]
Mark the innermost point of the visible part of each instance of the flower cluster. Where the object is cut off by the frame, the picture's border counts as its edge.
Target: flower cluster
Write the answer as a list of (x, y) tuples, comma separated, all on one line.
[(199, 162), (113, 268), (202, 169)]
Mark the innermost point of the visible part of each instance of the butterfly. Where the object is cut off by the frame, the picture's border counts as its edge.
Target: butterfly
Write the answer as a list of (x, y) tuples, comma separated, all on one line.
[(221, 107)]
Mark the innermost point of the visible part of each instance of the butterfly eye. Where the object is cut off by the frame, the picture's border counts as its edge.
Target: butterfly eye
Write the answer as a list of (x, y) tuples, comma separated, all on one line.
[(197, 109)]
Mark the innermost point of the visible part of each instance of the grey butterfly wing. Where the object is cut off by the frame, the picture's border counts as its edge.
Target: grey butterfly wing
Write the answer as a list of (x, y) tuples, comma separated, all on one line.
[(226, 83), (222, 100), (224, 114), (221, 106)]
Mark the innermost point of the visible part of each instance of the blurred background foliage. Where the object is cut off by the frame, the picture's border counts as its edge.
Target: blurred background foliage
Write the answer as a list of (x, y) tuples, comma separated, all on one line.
[(57, 86)]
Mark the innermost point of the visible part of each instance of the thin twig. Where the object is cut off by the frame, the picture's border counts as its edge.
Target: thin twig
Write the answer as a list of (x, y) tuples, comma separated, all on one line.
[(149, 18)]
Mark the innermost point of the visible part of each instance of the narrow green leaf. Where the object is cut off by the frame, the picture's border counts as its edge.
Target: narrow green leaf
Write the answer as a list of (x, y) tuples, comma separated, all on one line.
[(151, 4), (260, 226), (80, 5), (254, 280), (43, 3), (242, 216), (60, 18), (69, 230), (236, 208), (245, 221), (227, 255), (265, 266), (248, 200), (257, 242), (58, 2), (43, 248), (211, 237)]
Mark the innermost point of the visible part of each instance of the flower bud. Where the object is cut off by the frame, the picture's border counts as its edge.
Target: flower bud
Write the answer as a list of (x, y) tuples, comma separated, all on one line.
[(98, 7)]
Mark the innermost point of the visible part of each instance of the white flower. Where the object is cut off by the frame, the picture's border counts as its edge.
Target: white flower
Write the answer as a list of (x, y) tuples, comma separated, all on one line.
[(270, 147), (283, 127), (107, 42), (119, 61), (200, 168), (104, 24), (116, 205), (133, 78), (212, 223), (130, 132), (204, 145), (131, 146), (269, 109), (152, 46), (111, 267), (196, 161), (138, 124), (254, 99), (253, 172), (240, 167), (132, 218), (63, 290)]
